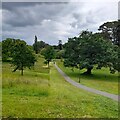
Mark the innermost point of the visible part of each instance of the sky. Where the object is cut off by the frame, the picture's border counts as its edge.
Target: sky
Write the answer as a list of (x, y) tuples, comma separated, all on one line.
[(54, 21)]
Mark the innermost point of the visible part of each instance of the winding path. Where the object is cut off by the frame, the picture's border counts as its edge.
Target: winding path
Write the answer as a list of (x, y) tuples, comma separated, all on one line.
[(68, 79)]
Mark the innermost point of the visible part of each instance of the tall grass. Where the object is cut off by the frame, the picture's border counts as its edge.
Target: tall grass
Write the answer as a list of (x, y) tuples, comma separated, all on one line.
[(48, 95), (32, 83)]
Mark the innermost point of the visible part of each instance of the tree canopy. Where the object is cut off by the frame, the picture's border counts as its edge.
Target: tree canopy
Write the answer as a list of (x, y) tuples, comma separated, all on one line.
[(7, 46), (60, 44), (48, 54), (111, 31), (21, 55), (71, 53), (89, 50), (38, 45)]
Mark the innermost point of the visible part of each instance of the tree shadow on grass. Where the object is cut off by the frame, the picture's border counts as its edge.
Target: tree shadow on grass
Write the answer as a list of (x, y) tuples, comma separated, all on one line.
[(94, 76), (100, 77)]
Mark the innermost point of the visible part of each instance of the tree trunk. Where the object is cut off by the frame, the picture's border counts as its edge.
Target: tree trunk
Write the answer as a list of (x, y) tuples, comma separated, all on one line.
[(88, 71), (15, 69)]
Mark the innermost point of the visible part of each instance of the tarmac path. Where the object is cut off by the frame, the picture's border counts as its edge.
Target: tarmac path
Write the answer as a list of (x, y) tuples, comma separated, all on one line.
[(68, 79)]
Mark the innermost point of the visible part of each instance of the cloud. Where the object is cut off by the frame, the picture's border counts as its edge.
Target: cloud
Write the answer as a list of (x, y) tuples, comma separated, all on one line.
[(24, 14), (60, 1), (52, 21), (119, 10)]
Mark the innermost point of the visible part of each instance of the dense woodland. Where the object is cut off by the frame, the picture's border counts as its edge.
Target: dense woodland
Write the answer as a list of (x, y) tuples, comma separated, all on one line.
[(88, 50)]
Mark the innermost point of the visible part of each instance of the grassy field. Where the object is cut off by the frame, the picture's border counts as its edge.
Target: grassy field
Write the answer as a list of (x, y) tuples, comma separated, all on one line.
[(0, 80), (100, 79), (46, 94)]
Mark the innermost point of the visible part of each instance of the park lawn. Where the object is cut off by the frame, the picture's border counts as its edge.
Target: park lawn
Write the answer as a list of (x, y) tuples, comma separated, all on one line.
[(100, 79), (50, 96), (0, 86)]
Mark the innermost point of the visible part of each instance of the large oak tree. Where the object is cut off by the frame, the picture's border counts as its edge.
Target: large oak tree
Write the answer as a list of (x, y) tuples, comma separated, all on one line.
[(89, 50)]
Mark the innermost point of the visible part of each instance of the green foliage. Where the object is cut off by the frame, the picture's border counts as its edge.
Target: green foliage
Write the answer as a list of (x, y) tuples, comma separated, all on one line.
[(38, 45), (88, 50), (22, 56), (93, 50), (7, 46), (60, 45), (48, 54), (71, 53), (60, 54), (35, 45), (110, 31), (18, 53), (1, 49), (56, 47), (115, 59)]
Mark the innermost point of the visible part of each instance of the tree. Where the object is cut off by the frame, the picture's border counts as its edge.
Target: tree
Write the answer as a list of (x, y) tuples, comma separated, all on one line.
[(41, 45), (115, 59), (60, 54), (94, 50), (38, 45), (89, 50), (21, 55), (71, 53), (118, 34), (0, 50), (35, 45), (56, 47), (7, 46), (48, 54), (110, 31), (60, 44)]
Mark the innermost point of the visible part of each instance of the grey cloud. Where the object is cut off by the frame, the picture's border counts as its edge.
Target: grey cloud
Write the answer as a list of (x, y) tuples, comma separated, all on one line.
[(119, 10), (21, 15), (19, 18), (36, 0), (14, 5), (76, 15), (53, 21)]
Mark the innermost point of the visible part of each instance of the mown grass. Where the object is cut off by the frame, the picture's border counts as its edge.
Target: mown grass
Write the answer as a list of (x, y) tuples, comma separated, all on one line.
[(100, 79), (0, 87), (32, 96)]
